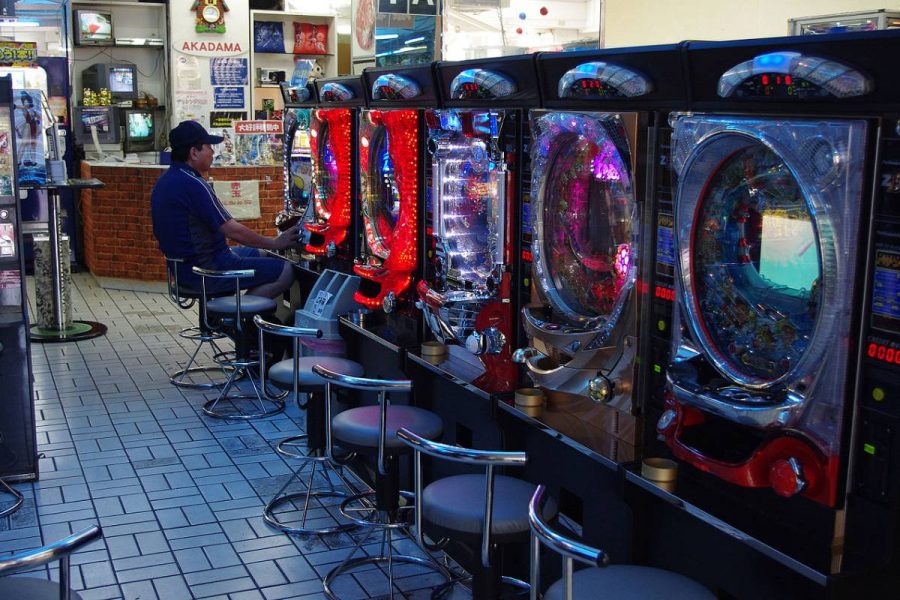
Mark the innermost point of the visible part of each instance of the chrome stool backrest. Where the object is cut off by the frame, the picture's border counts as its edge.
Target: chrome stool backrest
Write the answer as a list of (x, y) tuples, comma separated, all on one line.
[(382, 386), (174, 289), (237, 275), (59, 550), (489, 459), (265, 327), (571, 550)]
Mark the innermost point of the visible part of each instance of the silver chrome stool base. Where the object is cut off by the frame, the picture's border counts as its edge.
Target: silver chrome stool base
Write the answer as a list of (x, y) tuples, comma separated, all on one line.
[(390, 559), (262, 405), (192, 368), (376, 517), (310, 494), (18, 501)]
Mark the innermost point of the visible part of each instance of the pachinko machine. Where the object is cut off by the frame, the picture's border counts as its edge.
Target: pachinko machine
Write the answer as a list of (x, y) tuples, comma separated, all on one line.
[(391, 161), (584, 239), (332, 135), (785, 346), (299, 102), (476, 160)]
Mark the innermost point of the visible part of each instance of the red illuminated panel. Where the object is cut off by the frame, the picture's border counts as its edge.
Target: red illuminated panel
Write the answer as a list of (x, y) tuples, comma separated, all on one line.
[(882, 353)]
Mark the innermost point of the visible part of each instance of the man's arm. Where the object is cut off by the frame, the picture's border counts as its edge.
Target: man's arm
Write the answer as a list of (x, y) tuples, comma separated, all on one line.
[(247, 237)]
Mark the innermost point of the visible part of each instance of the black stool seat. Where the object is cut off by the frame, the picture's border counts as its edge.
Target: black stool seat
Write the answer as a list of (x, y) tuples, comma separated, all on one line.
[(456, 504), (250, 305), (359, 427), (282, 373), (629, 582)]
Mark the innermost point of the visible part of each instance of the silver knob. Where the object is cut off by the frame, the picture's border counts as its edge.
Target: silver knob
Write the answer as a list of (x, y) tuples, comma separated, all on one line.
[(601, 389), (389, 304), (330, 249), (523, 354), (489, 341), (666, 420)]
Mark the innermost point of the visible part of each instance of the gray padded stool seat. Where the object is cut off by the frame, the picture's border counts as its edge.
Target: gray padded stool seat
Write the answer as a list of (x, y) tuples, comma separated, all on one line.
[(250, 305), (282, 373), (630, 582), (360, 427), (456, 504), (31, 588)]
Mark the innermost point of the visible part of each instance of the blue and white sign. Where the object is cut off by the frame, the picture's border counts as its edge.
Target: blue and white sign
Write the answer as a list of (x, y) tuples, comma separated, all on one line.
[(229, 71), (228, 97)]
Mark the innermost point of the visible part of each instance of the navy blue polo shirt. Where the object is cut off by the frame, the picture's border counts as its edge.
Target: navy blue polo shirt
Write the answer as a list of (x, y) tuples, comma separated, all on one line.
[(187, 216)]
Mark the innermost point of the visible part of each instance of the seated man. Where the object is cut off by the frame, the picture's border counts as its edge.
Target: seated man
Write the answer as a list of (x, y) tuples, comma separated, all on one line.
[(190, 222)]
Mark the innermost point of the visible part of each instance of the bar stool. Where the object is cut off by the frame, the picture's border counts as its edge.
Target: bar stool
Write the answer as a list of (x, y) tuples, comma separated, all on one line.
[(372, 430), (231, 311), (296, 374), (32, 588), (200, 334), (622, 582), (484, 511), (18, 498)]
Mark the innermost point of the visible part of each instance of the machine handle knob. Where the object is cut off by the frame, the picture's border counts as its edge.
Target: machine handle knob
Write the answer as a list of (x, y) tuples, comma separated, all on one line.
[(389, 303), (666, 420), (786, 477), (330, 249), (489, 341), (601, 388)]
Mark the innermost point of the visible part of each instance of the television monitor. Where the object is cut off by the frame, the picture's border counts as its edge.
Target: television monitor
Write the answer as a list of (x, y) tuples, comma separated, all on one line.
[(104, 118), (139, 126), (294, 94), (120, 79), (93, 27)]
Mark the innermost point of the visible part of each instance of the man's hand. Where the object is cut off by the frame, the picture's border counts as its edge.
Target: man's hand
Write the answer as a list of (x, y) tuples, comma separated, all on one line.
[(288, 238)]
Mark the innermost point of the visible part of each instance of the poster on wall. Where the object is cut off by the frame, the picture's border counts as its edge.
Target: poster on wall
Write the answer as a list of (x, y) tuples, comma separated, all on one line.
[(228, 97), (362, 42), (229, 70), (191, 106), (29, 135), (241, 198), (259, 142)]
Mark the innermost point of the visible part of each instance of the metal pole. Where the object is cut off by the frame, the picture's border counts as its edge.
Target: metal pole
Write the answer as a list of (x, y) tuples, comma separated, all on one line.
[(65, 588), (55, 271)]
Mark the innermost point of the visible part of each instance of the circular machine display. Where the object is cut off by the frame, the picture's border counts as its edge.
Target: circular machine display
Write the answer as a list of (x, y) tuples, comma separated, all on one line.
[(471, 196), (585, 219), (327, 171), (756, 266), (383, 201)]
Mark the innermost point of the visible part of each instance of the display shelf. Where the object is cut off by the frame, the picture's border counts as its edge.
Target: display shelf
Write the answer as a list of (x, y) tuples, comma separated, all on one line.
[(130, 20), (284, 61)]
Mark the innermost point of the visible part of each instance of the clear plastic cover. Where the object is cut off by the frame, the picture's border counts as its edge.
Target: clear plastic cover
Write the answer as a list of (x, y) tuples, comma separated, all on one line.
[(327, 175), (766, 226), (584, 216), (382, 198)]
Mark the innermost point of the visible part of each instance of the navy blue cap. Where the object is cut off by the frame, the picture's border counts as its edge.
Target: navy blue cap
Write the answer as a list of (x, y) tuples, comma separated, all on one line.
[(188, 134)]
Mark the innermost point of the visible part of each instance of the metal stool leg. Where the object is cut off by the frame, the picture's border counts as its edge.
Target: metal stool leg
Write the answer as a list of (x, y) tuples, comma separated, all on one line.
[(19, 499), (261, 405)]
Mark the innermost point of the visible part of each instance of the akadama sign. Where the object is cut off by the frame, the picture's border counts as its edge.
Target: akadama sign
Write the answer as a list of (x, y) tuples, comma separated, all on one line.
[(208, 47)]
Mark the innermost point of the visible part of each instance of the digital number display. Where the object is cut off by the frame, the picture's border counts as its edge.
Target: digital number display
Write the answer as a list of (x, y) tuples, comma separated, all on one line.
[(594, 88), (882, 353), (389, 93), (779, 85), (472, 91), (664, 293), (329, 96)]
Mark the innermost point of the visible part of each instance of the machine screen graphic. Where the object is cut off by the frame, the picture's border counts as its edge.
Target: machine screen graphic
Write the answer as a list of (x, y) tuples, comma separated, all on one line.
[(886, 291), (588, 226), (471, 195), (756, 264), (328, 172), (384, 204), (594, 88)]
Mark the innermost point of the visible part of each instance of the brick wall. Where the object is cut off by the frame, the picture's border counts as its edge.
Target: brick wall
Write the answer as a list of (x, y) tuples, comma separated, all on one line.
[(118, 231)]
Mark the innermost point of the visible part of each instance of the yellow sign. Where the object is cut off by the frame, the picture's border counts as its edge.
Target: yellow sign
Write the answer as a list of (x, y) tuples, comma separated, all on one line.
[(18, 53)]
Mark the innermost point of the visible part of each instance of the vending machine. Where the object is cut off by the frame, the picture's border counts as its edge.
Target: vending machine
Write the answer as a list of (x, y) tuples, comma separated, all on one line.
[(299, 103), (782, 373), (392, 182), (332, 136), (18, 446), (586, 235), (477, 165)]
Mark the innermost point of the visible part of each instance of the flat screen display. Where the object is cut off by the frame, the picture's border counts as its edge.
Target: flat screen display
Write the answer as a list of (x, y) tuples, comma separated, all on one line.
[(788, 255)]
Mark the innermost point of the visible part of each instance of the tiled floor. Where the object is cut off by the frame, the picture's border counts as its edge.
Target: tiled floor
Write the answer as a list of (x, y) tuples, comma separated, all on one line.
[(179, 495)]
